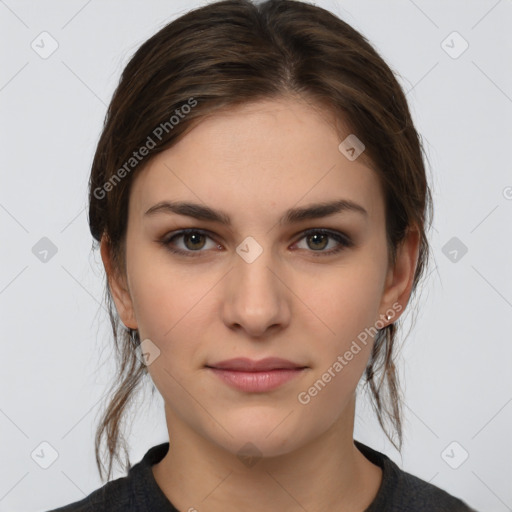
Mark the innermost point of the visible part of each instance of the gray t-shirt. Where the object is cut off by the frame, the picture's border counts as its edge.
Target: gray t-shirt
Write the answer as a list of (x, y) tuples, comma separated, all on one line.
[(139, 492)]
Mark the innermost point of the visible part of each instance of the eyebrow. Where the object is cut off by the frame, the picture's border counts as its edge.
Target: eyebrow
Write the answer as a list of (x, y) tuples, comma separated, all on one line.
[(291, 216)]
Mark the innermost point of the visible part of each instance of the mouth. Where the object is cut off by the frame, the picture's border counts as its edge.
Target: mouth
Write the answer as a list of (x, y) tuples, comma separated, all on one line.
[(256, 376), (243, 364)]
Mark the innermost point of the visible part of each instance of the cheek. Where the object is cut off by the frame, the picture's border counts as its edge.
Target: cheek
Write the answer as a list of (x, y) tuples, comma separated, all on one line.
[(173, 310), (171, 315), (163, 295), (346, 301), (348, 308)]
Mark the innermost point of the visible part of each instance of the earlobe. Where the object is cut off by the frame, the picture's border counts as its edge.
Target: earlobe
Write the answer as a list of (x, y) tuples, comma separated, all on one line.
[(400, 278), (118, 287)]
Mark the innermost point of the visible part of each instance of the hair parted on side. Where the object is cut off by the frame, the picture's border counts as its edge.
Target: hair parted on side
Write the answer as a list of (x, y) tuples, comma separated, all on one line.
[(225, 54)]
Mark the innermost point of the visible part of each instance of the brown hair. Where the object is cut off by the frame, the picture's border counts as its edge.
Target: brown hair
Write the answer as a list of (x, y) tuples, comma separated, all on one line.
[(233, 52)]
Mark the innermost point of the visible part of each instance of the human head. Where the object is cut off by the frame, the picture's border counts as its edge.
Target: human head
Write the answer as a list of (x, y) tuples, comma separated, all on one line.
[(233, 53)]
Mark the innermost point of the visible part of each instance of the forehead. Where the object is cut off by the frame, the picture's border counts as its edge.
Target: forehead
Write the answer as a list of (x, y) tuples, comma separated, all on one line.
[(264, 156)]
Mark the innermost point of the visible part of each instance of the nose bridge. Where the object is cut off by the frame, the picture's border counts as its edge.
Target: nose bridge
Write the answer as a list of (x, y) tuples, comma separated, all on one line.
[(256, 276), (256, 298)]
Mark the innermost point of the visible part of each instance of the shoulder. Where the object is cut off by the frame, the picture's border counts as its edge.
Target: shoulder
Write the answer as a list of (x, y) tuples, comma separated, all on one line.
[(413, 493), (401, 491), (114, 496), (137, 490)]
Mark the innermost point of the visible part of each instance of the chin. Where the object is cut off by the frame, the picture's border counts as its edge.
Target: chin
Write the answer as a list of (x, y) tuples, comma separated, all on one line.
[(258, 446), (261, 433)]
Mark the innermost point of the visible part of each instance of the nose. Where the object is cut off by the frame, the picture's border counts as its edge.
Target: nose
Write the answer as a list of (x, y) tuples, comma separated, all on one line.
[(256, 300)]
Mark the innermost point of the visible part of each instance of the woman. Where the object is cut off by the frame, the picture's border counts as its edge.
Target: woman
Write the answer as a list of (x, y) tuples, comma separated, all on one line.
[(260, 200)]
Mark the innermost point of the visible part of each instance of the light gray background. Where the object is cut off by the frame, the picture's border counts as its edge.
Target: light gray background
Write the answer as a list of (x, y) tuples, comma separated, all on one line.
[(457, 360)]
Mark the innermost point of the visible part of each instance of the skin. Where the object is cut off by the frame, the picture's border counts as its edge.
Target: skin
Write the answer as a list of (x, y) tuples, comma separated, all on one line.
[(254, 162)]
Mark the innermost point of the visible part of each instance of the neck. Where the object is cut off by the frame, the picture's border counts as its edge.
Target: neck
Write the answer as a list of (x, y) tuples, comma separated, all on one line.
[(329, 473)]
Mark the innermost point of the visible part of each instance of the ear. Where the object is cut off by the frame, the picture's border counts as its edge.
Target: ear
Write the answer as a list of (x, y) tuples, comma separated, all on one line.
[(400, 277), (118, 286)]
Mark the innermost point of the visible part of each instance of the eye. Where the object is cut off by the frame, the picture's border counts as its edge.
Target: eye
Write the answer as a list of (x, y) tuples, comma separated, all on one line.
[(193, 241), (318, 239)]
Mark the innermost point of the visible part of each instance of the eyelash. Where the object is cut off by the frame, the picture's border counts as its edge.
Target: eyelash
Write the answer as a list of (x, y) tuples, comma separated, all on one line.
[(343, 241)]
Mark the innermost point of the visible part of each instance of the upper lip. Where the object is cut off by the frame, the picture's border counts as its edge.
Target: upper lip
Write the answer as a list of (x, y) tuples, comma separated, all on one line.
[(250, 365)]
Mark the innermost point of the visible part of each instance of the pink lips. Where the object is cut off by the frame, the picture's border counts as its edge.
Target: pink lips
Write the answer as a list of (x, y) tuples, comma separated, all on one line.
[(256, 376)]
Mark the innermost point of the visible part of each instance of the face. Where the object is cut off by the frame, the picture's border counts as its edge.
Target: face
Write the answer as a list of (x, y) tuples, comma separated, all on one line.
[(261, 280)]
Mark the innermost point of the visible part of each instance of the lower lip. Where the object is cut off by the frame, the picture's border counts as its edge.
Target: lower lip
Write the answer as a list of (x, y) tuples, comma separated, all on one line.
[(257, 382)]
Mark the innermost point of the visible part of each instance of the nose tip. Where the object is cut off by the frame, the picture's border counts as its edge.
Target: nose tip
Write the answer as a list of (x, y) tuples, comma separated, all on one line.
[(256, 330)]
